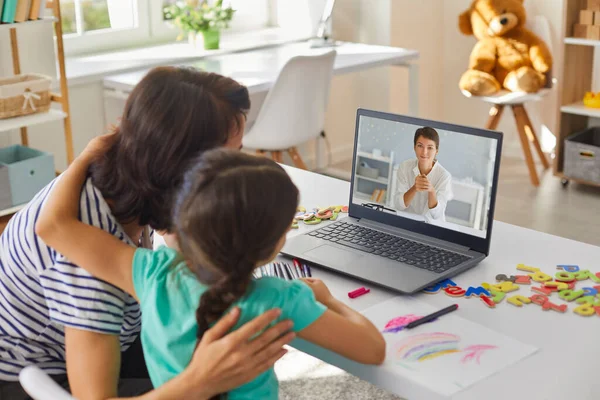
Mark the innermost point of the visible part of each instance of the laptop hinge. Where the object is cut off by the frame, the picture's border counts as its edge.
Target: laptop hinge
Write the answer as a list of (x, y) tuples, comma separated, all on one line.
[(412, 235)]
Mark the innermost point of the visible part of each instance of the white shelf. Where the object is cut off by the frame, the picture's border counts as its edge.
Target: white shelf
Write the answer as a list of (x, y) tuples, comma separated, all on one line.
[(12, 210), (362, 196), (372, 157), (579, 109), (378, 180), (32, 119), (26, 23), (582, 42), (366, 198)]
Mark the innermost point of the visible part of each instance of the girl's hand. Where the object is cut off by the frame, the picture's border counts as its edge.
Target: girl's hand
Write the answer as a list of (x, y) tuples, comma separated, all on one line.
[(321, 291), (98, 146)]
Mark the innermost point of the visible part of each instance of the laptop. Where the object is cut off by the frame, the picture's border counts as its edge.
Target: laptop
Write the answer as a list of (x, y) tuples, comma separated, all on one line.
[(421, 205)]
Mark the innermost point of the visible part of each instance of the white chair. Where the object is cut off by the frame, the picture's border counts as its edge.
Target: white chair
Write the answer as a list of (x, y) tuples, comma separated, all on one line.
[(516, 100), (294, 110), (40, 386)]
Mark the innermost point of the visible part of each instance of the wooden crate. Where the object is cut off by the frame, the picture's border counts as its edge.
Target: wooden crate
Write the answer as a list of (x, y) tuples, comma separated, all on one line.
[(586, 17), (593, 5), (591, 32)]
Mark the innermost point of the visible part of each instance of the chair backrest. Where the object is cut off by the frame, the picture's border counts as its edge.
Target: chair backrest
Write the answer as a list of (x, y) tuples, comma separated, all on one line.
[(541, 27), (294, 109), (40, 386)]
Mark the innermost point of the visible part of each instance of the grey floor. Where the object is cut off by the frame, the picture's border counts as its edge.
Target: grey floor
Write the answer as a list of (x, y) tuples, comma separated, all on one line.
[(572, 212)]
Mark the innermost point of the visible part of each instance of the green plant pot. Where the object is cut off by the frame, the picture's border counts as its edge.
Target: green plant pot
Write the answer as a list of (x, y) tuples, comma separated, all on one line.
[(211, 39)]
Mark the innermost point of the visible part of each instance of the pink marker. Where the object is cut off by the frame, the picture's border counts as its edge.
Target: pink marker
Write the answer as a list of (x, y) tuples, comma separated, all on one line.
[(358, 292)]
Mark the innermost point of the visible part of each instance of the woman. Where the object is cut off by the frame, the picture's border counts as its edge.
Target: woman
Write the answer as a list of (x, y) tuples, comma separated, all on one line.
[(53, 314), (424, 187)]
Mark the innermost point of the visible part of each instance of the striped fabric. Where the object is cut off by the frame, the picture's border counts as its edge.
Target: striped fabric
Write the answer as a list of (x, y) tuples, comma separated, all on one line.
[(41, 292)]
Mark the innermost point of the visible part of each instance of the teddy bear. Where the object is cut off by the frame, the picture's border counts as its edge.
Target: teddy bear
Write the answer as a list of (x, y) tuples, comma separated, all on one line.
[(507, 55)]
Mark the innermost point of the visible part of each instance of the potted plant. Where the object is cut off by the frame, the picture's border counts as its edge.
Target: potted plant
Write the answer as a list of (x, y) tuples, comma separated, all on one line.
[(196, 17)]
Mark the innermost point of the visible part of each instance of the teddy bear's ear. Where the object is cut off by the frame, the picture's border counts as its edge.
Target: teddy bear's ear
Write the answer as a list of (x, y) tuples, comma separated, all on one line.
[(464, 23)]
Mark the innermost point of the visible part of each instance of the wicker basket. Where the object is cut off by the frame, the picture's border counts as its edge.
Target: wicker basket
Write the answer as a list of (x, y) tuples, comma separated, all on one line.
[(24, 94)]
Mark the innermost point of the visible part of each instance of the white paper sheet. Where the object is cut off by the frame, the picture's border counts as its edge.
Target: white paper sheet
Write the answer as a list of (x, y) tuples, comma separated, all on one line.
[(446, 355)]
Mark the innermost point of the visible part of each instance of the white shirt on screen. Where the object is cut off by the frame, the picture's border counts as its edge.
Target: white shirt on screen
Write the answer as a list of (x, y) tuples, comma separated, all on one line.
[(441, 180)]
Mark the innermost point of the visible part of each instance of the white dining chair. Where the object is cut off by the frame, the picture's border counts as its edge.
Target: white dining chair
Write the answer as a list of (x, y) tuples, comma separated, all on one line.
[(40, 386), (294, 110), (517, 100)]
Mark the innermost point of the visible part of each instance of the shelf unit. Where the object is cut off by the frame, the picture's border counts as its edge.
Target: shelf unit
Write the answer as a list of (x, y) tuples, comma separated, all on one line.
[(580, 65), (385, 165), (378, 180), (61, 98), (45, 20)]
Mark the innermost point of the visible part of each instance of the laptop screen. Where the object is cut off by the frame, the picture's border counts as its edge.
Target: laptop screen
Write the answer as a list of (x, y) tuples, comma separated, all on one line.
[(441, 177)]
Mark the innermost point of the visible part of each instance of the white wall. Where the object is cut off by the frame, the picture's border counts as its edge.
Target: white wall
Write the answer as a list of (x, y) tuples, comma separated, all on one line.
[(456, 49), (429, 26)]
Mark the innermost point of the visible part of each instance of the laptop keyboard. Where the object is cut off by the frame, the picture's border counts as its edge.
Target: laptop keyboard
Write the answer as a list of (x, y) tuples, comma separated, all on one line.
[(393, 247)]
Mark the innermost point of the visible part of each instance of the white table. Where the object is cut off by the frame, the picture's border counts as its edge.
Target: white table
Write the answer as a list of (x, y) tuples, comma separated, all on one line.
[(258, 69), (568, 362)]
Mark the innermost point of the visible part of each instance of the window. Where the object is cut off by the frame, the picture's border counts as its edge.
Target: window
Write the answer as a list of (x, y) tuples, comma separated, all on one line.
[(93, 25), (96, 25), (249, 15)]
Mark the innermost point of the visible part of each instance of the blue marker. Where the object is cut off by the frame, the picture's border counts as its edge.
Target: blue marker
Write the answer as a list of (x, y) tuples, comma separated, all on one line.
[(308, 270)]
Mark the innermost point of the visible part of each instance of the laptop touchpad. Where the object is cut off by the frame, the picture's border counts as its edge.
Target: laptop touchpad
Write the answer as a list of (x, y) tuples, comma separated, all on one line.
[(330, 254)]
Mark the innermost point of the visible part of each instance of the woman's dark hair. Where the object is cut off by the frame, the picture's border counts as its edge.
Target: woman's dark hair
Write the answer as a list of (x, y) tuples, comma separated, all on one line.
[(171, 116), (230, 214), (428, 133)]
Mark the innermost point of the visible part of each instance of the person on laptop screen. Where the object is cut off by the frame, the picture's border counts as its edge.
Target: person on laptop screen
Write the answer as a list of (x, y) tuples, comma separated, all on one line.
[(424, 187)]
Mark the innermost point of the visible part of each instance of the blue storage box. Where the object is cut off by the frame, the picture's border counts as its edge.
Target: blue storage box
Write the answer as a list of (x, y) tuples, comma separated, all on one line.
[(23, 172)]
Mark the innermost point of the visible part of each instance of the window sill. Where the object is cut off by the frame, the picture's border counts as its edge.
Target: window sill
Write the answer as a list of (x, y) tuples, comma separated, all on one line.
[(87, 69)]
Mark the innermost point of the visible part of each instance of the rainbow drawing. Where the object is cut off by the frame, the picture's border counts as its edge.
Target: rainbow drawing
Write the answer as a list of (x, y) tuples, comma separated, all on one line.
[(399, 323), (474, 353), (426, 346)]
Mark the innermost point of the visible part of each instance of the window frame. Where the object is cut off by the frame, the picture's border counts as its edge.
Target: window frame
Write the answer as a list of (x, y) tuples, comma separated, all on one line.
[(150, 30), (105, 39)]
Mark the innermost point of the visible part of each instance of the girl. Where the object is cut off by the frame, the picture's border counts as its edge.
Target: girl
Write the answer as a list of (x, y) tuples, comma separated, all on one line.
[(53, 314), (231, 216)]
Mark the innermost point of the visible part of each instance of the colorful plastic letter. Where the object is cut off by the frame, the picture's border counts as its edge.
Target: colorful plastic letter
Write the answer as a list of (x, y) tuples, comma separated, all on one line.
[(591, 300), (455, 291), (542, 290), (523, 280), (568, 268), (519, 300), (497, 297), (539, 299), (487, 301), (563, 276), (504, 278), (505, 287), (570, 295), (551, 306), (523, 267), (589, 291), (586, 274), (539, 276), (585, 310), (556, 285), (438, 286), (476, 291)]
